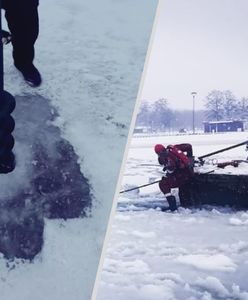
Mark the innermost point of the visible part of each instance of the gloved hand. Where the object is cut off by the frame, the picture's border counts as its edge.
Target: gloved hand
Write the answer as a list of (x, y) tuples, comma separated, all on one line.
[(191, 162)]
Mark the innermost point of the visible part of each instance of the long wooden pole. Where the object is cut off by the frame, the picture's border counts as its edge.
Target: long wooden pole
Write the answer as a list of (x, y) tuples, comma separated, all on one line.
[(222, 150)]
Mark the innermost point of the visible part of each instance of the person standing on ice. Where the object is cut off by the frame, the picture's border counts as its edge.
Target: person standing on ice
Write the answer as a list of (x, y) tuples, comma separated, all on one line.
[(23, 23), (178, 164)]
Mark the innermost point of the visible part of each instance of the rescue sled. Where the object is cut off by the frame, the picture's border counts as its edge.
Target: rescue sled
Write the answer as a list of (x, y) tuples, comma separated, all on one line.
[(220, 189)]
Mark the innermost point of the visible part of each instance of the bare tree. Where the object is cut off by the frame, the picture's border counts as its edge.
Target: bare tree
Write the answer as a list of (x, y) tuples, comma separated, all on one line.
[(157, 115), (230, 105), (215, 105), (144, 115), (242, 108), (161, 114)]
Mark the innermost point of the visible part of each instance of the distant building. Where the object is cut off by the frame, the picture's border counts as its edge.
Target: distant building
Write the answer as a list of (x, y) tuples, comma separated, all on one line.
[(223, 126), (140, 129)]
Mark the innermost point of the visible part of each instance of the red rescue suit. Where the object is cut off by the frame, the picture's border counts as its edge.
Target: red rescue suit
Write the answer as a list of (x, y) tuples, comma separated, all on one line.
[(178, 164)]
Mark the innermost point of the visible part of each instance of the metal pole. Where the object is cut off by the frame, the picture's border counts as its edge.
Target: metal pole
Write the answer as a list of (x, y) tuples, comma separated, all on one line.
[(222, 150), (193, 114), (137, 187), (193, 117)]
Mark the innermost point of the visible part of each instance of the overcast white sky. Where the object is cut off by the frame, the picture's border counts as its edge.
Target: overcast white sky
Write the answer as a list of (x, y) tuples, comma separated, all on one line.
[(199, 45)]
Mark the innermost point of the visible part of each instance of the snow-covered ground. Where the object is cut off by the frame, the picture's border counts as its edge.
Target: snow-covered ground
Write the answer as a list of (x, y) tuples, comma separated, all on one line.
[(188, 255), (91, 56)]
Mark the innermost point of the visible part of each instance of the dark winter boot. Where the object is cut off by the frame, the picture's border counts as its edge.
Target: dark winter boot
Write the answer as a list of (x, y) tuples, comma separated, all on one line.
[(172, 202), (31, 75)]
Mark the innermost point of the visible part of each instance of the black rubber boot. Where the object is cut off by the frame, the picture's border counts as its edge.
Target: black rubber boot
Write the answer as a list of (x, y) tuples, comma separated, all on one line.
[(172, 202), (31, 75)]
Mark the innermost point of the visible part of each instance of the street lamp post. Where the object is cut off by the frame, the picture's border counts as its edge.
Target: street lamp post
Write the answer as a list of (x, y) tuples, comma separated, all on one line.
[(193, 115)]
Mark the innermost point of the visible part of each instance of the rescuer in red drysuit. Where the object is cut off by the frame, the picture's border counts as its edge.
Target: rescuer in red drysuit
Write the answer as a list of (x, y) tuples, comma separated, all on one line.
[(178, 164)]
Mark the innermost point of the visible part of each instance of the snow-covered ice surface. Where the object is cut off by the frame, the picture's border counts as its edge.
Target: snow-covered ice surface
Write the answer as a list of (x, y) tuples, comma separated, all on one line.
[(91, 56), (191, 254)]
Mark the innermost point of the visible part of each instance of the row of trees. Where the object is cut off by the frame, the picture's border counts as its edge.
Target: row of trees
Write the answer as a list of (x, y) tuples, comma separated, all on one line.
[(220, 105), (156, 115), (223, 105)]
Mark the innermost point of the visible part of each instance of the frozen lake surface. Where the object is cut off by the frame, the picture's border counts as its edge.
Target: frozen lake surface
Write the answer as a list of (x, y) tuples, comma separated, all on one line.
[(191, 254)]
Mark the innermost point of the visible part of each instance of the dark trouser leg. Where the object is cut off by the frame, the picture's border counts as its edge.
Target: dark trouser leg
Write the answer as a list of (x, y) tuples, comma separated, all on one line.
[(23, 22), (184, 196)]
